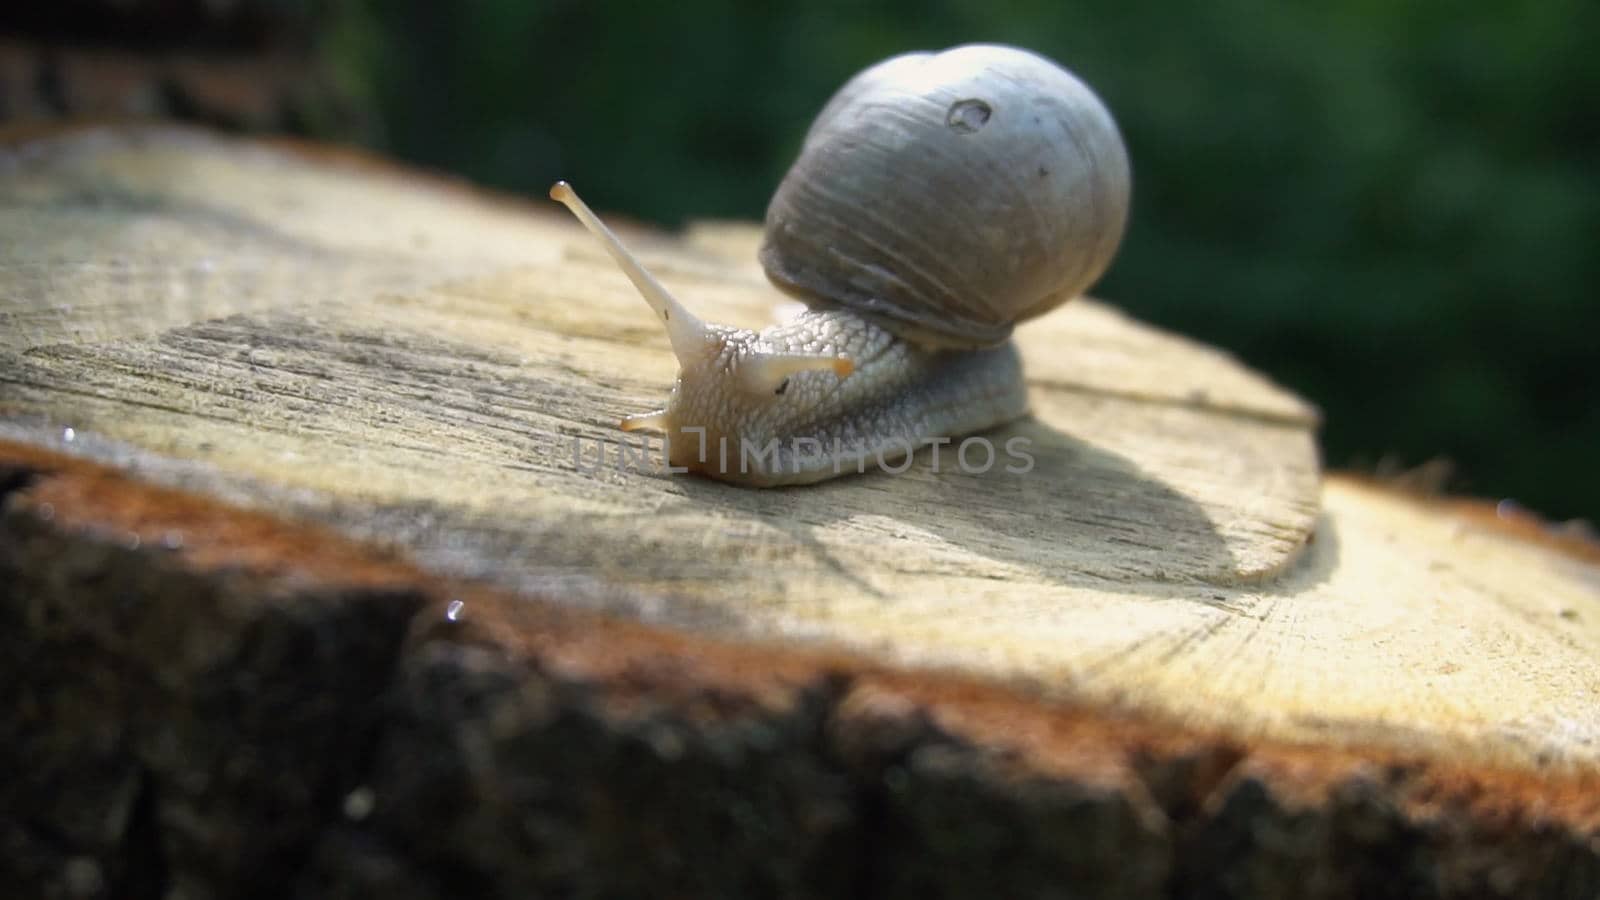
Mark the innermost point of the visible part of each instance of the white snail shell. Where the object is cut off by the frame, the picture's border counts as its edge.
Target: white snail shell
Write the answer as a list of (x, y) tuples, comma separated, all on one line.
[(952, 195), (938, 200)]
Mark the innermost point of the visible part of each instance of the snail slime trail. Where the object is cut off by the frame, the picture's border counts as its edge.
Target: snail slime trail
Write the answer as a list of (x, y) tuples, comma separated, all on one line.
[(915, 260)]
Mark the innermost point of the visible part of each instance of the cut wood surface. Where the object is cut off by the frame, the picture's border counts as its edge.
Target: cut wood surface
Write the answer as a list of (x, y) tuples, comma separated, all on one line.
[(430, 371)]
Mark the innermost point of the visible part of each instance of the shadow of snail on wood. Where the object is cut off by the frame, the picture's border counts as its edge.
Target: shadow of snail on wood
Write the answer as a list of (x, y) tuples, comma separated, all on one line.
[(938, 200)]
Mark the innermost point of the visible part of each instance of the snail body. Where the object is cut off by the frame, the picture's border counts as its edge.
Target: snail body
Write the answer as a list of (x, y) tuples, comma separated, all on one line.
[(938, 200)]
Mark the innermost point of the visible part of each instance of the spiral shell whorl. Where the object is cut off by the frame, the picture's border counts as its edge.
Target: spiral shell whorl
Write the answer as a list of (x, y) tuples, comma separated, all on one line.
[(952, 195)]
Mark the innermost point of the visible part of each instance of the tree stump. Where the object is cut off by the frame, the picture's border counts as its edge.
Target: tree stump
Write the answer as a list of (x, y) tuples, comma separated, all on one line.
[(313, 587)]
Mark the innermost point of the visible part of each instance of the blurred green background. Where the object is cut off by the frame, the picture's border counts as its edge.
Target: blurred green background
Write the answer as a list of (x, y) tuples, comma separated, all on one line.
[(1390, 208)]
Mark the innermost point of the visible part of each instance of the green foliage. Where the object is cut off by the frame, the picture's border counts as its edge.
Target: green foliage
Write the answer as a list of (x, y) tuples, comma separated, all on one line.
[(1390, 207)]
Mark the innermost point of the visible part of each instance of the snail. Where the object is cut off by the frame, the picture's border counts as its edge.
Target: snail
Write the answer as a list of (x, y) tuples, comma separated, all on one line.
[(938, 200)]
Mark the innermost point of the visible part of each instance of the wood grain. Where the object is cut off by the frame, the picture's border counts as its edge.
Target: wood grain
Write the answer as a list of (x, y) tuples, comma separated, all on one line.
[(414, 364)]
